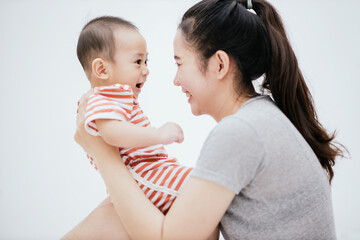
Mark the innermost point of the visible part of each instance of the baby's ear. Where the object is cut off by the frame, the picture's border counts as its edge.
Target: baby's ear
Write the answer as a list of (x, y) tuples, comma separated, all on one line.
[(100, 69)]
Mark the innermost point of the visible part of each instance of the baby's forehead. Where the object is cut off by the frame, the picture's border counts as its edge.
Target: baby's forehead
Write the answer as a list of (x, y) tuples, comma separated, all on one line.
[(127, 35), (121, 30), (130, 42)]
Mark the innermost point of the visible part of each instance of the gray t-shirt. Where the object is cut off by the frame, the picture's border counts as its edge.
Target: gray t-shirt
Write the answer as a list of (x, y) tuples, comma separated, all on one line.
[(282, 192)]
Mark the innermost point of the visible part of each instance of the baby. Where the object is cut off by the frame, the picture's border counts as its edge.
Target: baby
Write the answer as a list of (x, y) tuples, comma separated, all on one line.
[(114, 57)]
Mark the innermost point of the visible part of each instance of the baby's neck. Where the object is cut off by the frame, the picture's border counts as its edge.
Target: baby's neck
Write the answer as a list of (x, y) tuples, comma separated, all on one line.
[(97, 83), (93, 85)]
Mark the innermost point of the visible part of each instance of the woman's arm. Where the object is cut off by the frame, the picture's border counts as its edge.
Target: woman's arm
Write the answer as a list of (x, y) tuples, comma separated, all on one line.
[(194, 215)]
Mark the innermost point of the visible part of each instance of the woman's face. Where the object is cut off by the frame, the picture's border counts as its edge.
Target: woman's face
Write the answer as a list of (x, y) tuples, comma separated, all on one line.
[(194, 83)]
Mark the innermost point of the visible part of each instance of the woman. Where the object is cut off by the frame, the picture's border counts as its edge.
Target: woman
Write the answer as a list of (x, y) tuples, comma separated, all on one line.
[(264, 171)]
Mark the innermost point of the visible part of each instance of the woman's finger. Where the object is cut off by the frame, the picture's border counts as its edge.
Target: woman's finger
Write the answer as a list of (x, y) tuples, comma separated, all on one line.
[(82, 108)]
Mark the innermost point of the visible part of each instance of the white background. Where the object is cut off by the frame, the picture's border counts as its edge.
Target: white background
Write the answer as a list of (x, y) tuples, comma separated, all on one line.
[(46, 183)]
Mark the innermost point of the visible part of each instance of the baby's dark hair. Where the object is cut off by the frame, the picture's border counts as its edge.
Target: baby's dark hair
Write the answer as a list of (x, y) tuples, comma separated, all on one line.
[(97, 40)]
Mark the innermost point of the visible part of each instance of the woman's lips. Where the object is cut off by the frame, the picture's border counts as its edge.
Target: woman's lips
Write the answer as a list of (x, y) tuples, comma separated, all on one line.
[(188, 95)]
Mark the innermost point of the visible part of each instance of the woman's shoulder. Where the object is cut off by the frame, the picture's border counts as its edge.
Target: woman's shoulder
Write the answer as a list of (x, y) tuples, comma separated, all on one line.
[(257, 109), (259, 113), (253, 115), (262, 121)]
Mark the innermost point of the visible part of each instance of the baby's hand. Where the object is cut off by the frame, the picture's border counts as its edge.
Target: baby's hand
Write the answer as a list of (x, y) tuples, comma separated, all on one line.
[(171, 132)]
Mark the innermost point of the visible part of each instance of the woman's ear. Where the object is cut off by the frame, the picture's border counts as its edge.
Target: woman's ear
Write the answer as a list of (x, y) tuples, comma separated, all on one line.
[(222, 62), (100, 69)]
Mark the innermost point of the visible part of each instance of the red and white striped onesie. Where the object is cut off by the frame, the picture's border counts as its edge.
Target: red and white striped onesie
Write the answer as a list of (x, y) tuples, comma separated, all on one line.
[(159, 176)]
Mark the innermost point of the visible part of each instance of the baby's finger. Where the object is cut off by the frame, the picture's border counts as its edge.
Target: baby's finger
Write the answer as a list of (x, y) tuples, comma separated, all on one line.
[(180, 138), (182, 135)]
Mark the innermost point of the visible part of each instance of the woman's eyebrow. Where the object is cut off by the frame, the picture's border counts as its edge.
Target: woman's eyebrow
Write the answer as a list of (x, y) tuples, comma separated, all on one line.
[(176, 57)]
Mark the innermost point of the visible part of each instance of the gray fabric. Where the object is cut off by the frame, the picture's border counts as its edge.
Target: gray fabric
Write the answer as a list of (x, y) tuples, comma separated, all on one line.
[(281, 190)]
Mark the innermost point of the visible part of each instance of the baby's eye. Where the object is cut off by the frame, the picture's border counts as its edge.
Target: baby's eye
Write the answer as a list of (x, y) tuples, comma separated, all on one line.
[(146, 61), (177, 64), (138, 61)]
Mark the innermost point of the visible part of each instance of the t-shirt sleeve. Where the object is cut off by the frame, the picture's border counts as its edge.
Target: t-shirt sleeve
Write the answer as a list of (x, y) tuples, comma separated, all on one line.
[(109, 102), (231, 156)]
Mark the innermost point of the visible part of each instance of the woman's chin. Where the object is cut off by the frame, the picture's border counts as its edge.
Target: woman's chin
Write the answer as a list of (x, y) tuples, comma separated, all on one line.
[(195, 111)]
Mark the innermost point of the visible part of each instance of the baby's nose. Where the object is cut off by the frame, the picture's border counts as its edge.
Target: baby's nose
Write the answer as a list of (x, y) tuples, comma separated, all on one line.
[(145, 71)]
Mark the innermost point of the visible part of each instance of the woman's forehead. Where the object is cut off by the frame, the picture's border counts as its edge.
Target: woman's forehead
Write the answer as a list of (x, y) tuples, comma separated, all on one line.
[(181, 48)]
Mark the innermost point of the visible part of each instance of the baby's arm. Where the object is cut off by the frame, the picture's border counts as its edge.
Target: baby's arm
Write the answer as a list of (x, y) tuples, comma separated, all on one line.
[(124, 134)]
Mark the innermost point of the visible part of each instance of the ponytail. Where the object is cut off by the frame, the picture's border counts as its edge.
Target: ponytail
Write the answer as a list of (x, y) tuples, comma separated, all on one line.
[(288, 88)]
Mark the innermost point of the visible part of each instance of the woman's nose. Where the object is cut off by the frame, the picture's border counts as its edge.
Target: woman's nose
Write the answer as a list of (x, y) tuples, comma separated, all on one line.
[(176, 81)]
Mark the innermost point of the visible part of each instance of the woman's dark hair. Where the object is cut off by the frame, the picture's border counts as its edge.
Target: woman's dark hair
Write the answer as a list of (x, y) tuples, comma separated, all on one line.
[(96, 39), (259, 46)]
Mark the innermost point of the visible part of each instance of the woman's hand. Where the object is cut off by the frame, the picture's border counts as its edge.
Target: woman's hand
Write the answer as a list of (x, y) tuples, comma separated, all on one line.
[(95, 146)]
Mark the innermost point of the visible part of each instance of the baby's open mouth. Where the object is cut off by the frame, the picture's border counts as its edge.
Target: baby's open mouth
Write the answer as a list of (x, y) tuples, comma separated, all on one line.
[(139, 85)]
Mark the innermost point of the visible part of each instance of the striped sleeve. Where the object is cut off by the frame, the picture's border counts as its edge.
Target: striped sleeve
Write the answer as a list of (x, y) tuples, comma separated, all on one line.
[(109, 102)]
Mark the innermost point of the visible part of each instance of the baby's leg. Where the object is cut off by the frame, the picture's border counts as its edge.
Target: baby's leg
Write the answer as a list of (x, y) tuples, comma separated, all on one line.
[(102, 223)]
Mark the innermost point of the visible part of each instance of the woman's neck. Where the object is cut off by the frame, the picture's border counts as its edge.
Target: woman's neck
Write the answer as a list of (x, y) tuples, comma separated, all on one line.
[(228, 105)]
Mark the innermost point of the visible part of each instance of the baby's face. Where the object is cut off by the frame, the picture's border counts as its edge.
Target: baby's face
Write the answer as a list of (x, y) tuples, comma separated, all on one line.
[(130, 59)]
